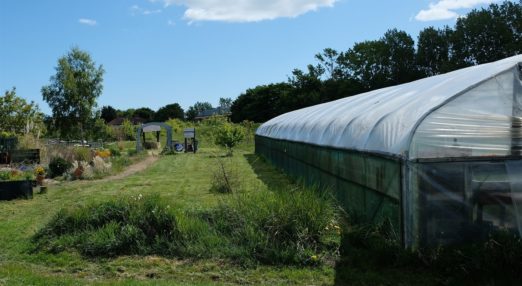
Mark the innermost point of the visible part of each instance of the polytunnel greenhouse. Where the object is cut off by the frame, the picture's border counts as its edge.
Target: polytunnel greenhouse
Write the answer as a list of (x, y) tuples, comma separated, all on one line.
[(440, 158)]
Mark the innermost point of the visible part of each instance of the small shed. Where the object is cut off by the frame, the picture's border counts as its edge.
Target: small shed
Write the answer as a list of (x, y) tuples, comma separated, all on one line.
[(440, 158)]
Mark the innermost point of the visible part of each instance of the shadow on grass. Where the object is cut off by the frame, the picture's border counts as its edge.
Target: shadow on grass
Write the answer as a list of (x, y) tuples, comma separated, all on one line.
[(273, 178)]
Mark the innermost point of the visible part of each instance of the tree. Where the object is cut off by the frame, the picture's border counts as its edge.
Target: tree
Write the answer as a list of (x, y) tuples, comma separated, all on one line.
[(490, 34), (17, 115), (108, 113), (434, 51), (73, 91), (225, 104), (228, 136), (144, 113), (261, 103), (197, 108), (169, 111)]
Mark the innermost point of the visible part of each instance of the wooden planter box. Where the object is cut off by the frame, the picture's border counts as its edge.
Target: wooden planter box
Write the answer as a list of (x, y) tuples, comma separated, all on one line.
[(10, 190)]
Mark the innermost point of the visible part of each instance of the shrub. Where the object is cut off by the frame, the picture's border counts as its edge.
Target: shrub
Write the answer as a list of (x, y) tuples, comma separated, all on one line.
[(58, 166), (115, 151), (228, 136), (82, 154), (136, 225)]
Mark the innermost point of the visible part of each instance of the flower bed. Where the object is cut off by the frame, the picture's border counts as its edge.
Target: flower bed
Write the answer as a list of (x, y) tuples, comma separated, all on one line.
[(16, 183)]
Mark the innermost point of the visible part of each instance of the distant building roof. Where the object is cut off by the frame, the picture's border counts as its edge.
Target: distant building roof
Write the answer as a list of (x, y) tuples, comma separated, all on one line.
[(119, 121)]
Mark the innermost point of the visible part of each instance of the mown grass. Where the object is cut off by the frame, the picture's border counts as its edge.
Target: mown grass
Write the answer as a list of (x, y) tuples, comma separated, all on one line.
[(183, 181)]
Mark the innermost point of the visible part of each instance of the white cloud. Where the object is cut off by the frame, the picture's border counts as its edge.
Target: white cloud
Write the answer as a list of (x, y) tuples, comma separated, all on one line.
[(171, 23), (135, 9), (445, 9), (246, 10), (88, 22)]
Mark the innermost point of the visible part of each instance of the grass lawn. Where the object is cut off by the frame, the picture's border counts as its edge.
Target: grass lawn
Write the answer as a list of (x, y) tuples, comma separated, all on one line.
[(184, 181)]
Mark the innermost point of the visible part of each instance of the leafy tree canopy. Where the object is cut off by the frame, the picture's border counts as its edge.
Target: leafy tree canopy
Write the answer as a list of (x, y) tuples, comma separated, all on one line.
[(198, 107), (108, 113), (17, 116), (72, 93), (169, 111)]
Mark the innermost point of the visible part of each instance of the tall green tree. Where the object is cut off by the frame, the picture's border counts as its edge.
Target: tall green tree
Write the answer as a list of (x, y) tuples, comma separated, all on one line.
[(144, 113), (434, 51), (108, 113), (261, 103), (198, 107), (72, 93), (225, 104), (384, 62), (169, 111), (19, 116), (489, 34)]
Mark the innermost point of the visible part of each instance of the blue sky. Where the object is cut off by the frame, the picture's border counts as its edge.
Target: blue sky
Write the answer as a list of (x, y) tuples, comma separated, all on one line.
[(157, 52)]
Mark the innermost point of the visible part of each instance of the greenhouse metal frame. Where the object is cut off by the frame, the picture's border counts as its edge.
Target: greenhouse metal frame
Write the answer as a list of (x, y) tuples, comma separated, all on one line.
[(438, 158)]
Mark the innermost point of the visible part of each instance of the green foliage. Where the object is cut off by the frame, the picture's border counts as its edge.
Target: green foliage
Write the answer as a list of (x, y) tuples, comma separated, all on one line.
[(129, 130), (176, 124), (17, 116), (198, 107), (108, 113), (144, 113), (390, 60), (115, 151), (215, 121), (101, 131), (490, 34), (72, 93), (58, 166), (276, 228), (138, 225), (169, 111), (16, 175), (228, 136)]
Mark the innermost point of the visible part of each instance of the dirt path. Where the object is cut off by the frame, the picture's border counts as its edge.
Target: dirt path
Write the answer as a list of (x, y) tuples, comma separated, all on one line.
[(132, 169)]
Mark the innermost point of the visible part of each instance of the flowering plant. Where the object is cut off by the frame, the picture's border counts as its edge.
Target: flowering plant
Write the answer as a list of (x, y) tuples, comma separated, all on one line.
[(103, 153), (39, 171)]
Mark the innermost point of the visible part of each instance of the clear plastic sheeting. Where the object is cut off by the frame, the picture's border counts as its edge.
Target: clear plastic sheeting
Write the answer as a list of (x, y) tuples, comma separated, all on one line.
[(385, 120), (457, 202), (441, 157), (481, 122)]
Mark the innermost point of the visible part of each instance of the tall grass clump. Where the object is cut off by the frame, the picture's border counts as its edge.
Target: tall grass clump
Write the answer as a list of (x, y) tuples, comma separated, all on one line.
[(288, 227), (136, 225)]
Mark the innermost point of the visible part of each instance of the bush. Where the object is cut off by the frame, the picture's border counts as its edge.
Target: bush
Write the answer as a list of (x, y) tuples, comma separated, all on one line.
[(58, 166), (115, 151), (136, 225), (228, 136)]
